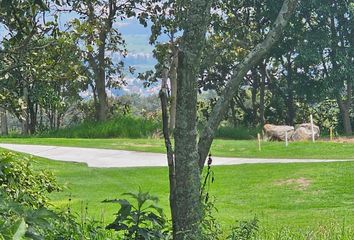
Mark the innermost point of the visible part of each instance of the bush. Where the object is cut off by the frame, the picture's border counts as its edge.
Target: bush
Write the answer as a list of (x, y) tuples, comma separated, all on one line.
[(23, 206), (22, 184), (119, 127), (18, 220), (237, 133), (245, 230)]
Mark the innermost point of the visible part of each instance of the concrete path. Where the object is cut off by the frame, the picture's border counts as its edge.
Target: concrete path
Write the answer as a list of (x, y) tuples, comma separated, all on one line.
[(104, 158)]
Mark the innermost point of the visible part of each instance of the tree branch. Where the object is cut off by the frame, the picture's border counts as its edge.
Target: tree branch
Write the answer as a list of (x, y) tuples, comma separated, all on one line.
[(250, 60), (169, 149)]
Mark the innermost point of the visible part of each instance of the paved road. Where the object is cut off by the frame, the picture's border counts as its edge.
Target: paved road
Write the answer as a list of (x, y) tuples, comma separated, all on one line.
[(105, 158)]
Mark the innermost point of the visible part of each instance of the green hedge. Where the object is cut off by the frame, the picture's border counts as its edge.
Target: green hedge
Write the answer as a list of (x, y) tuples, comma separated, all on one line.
[(120, 127)]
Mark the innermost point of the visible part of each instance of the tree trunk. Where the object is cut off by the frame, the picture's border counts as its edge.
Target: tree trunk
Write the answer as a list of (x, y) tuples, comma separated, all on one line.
[(3, 119), (290, 117), (345, 108), (102, 103), (32, 117), (24, 118), (262, 95), (169, 150), (233, 113), (188, 203), (346, 121), (255, 85), (173, 81)]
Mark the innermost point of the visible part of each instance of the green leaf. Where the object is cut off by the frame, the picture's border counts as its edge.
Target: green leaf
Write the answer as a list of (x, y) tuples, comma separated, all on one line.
[(41, 4), (20, 229)]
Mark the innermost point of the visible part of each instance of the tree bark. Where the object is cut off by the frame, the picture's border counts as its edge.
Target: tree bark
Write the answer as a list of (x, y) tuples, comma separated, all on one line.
[(345, 107), (290, 117), (102, 102), (189, 213), (173, 83), (97, 63), (255, 86), (250, 60), (24, 118), (346, 119), (262, 94), (3, 119), (32, 117), (233, 112), (169, 150)]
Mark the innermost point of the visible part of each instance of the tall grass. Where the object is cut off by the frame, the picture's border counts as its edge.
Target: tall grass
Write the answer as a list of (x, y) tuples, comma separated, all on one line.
[(252, 231), (330, 232), (120, 127), (237, 133)]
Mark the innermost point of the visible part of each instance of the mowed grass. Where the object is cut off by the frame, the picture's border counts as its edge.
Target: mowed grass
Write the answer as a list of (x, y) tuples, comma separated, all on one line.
[(225, 148), (293, 195)]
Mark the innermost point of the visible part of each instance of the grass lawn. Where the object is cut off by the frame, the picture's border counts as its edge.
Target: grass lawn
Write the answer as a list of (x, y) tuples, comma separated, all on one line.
[(225, 148), (295, 195)]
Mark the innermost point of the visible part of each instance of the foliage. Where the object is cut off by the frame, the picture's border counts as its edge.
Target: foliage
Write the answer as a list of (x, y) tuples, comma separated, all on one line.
[(47, 83), (122, 127), (210, 226), (23, 206), (245, 230), (237, 133), (145, 220), (22, 183), (20, 219), (75, 227), (23, 198)]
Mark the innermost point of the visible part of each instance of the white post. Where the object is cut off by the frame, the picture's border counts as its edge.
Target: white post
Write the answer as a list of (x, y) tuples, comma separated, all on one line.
[(286, 139), (259, 142), (312, 130)]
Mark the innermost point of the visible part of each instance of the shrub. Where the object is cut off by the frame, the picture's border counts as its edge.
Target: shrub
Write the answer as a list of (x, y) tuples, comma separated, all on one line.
[(142, 221), (22, 184), (18, 220), (122, 127), (245, 230), (23, 206)]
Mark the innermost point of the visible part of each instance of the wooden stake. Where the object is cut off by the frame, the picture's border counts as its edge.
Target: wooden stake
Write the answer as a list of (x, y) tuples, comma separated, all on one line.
[(259, 142), (286, 139), (312, 130)]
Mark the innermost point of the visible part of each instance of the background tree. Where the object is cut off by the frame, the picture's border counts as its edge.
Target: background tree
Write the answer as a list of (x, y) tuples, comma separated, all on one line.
[(98, 35)]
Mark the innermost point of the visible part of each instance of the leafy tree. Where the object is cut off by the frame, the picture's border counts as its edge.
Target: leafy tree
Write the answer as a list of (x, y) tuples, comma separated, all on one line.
[(45, 82), (96, 31), (187, 158)]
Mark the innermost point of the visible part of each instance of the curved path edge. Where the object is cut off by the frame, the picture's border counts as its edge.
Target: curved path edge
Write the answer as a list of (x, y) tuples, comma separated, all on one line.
[(106, 158)]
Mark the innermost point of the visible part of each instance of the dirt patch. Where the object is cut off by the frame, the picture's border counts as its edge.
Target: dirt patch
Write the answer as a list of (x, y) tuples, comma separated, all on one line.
[(339, 140), (298, 183), (344, 140)]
